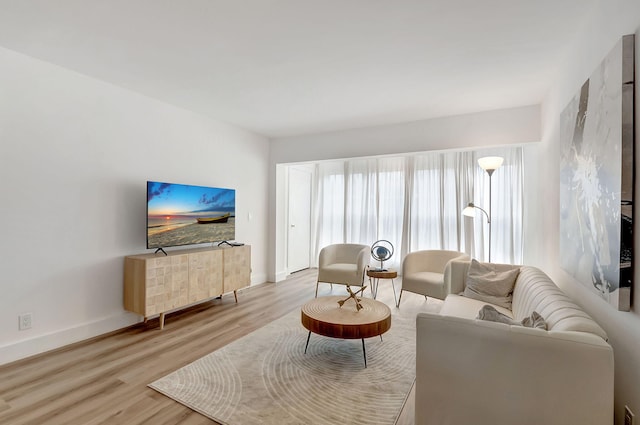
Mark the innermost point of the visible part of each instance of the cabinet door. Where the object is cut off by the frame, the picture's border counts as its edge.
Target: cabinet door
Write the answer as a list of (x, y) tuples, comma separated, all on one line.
[(205, 275), (167, 280), (177, 294), (135, 275), (237, 268)]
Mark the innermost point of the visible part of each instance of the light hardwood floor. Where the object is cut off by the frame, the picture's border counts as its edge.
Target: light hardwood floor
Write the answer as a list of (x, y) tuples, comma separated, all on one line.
[(104, 380)]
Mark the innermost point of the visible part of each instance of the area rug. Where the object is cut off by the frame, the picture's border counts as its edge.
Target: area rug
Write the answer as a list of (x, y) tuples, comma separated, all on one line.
[(266, 378)]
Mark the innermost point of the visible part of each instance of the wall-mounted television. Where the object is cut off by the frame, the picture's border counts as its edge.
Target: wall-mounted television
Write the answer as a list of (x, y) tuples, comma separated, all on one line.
[(180, 214)]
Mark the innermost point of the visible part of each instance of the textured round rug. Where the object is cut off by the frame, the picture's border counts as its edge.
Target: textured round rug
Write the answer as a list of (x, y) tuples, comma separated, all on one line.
[(266, 378)]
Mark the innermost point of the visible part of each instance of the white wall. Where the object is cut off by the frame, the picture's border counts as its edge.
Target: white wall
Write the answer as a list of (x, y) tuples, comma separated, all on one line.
[(74, 160), (508, 126), (491, 128), (610, 20)]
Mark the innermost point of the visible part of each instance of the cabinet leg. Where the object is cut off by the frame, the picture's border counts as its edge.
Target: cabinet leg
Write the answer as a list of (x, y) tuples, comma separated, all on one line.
[(235, 294), (161, 321)]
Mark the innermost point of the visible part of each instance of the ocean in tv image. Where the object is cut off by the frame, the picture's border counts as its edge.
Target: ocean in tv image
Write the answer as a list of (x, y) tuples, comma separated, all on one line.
[(179, 214)]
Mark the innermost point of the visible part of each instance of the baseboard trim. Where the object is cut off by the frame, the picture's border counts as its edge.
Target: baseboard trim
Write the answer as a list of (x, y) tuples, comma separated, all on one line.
[(258, 278), (23, 349), (280, 276), (43, 343)]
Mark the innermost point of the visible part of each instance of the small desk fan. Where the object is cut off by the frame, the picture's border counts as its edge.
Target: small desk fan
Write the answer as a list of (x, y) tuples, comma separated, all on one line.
[(381, 251)]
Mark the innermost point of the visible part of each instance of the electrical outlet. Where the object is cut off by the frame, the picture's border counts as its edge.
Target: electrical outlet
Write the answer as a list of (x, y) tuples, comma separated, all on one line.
[(628, 416), (24, 321)]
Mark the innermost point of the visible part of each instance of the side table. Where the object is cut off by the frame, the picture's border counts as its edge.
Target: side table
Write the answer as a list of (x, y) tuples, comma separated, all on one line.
[(374, 280)]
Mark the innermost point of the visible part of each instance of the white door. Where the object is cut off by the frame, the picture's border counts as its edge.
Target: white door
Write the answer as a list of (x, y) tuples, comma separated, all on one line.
[(299, 230)]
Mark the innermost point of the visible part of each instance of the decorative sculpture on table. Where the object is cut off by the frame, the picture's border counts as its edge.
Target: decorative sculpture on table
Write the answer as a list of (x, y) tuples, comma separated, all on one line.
[(353, 295), (381, 251)]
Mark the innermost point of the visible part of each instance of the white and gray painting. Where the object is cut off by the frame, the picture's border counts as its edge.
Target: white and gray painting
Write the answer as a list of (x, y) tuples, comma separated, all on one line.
[(596, 179)]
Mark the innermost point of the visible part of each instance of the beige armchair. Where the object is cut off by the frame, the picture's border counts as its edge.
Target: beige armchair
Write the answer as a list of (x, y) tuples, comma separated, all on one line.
[(343, 263), (423, 272)]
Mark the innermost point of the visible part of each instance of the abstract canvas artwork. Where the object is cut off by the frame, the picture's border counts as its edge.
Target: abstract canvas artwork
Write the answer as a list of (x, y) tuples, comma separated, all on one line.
[(596, 179)]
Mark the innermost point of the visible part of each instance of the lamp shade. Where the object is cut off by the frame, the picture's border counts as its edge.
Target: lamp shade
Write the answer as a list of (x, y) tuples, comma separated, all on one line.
[(490, 162), (469, 211)]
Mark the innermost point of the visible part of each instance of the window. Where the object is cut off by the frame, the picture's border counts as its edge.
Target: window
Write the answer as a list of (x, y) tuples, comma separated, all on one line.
[(416, 203)]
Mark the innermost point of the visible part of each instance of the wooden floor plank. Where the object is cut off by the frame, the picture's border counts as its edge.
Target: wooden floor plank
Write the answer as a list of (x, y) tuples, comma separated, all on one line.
[(104, 380)]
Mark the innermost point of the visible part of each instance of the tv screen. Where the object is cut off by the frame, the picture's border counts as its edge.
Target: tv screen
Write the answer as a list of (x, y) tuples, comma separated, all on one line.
[(180, 214)]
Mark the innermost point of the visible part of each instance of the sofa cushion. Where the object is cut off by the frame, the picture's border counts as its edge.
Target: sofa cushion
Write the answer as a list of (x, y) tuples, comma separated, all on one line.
[(535, 291), (489, 313), (485, 282), (534, 321), (467, 308)]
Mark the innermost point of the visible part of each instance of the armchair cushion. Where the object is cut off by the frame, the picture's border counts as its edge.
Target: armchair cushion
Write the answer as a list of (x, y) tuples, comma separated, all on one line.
[(335, 273)]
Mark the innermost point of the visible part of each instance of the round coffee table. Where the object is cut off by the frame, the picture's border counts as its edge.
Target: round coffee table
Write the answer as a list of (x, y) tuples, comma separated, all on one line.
[(324, 316)]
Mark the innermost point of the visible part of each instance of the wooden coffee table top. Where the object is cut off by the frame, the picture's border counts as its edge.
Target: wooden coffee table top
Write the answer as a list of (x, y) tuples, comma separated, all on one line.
[(324, 316)]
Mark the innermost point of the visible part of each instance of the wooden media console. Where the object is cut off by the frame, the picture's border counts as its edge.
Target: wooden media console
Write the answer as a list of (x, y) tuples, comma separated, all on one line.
[(158, 283)]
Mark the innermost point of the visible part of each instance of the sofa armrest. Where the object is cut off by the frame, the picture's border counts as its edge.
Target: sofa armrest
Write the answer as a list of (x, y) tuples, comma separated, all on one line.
[(472, 371), (455, 275)]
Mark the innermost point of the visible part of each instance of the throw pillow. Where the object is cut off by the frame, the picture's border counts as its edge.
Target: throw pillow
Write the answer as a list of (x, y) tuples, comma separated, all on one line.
[(485, 283), (488, 312), (534, 321)]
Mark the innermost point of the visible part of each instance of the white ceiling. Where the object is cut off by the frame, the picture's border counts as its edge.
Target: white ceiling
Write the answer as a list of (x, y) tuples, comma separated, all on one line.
[(289, 67)]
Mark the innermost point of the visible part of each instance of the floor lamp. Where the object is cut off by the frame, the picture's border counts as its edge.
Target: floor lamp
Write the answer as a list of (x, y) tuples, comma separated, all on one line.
[(488, 164)]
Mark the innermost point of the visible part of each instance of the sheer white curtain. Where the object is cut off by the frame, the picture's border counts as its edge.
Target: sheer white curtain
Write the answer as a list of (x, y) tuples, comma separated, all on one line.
[(328, 206), (359, 201), (391, 205), (441, 187), (416, 202)]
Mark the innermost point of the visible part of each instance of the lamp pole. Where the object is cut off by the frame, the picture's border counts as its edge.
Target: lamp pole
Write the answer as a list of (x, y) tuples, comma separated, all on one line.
[(470, 212), (490, 164), (490, 172)]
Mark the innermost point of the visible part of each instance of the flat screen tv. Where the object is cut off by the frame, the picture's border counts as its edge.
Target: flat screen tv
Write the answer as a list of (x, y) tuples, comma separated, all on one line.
[(180, 214)]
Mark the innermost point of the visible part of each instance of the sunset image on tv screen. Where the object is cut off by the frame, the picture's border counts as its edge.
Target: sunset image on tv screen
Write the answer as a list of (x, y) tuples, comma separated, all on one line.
[(179, 214)]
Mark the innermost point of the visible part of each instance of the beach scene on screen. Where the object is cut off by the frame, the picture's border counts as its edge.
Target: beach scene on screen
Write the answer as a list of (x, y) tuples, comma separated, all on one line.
[(184, 215)]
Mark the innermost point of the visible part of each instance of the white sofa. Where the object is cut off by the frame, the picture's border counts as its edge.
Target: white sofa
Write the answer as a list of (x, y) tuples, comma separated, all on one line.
[(471, 371)]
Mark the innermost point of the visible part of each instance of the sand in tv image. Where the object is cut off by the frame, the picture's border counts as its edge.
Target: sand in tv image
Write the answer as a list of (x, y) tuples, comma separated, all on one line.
[(596, 179), (180, 214)]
